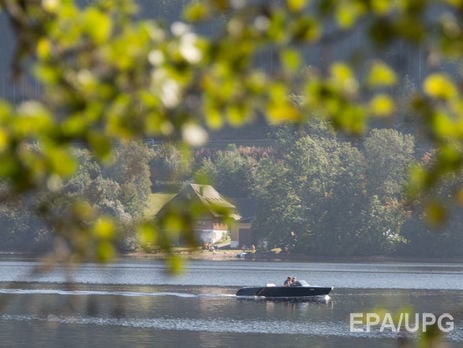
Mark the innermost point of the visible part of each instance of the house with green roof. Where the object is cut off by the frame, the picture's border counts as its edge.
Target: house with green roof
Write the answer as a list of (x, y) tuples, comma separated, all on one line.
[(218, 217)]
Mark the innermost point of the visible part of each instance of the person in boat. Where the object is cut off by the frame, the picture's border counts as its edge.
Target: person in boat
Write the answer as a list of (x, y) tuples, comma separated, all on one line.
[(293, 282), (287, 281)]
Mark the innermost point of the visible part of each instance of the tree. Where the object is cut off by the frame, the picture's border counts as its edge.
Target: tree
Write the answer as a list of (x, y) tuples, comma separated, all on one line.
[(277, 211), (169, 166), (229, 171), (333, 198), (389, 155), (106, 75)]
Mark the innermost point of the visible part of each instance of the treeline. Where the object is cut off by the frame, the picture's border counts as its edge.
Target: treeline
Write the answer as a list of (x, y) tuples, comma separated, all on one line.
[(321, 195), (119, 189), (316, 193)]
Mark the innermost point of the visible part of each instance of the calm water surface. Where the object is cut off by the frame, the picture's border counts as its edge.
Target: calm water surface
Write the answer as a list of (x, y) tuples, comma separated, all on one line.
[(135, 304)]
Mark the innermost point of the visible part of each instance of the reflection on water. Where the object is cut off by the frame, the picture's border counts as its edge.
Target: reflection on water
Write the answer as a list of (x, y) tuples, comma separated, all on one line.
[(107, 306), (236, 273)]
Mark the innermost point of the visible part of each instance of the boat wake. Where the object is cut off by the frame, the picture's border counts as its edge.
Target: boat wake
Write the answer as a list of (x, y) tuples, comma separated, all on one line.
[(106, 293), (278, 327), (315, 299)]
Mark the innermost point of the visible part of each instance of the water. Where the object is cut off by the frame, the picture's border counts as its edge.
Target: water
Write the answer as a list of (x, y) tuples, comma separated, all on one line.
[(136, 304)]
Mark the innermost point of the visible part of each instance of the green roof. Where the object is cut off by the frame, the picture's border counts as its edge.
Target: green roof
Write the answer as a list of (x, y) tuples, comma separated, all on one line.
[(206, 194), (156, 201)]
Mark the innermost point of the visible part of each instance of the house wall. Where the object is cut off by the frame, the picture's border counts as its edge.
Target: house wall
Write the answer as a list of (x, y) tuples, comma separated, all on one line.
[(211, 231), (211, 236)]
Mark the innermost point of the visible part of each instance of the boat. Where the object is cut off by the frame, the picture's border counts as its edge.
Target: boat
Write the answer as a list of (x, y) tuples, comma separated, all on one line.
[(299, 290)]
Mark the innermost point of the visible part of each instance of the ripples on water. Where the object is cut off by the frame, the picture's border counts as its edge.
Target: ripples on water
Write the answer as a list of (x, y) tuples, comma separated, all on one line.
[(209, 273), (117, 304)]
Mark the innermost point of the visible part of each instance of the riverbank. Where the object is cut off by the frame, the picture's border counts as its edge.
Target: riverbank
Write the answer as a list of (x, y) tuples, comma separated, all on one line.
[(237, 254), (226, 254)]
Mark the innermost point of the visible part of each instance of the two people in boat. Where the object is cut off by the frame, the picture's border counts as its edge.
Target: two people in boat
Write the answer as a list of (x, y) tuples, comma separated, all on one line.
[(290, 281)]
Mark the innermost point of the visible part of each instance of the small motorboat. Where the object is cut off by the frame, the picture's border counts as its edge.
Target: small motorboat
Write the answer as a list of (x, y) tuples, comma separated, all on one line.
[(300, 289)]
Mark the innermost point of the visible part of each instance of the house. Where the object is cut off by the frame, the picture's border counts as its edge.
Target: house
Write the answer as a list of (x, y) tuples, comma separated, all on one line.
[(213, 207)]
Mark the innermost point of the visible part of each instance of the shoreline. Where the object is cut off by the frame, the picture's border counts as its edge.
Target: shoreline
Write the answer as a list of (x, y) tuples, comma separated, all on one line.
[(232, 254), (228, 255)]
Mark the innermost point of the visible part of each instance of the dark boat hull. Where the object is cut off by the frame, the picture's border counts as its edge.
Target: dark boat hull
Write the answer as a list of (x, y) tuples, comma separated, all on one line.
[(285, 292)]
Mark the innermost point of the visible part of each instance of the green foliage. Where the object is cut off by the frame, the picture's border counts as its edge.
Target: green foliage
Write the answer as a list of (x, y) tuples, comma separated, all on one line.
[(230, 172), (169, 166), (388, 154), (330, 198)]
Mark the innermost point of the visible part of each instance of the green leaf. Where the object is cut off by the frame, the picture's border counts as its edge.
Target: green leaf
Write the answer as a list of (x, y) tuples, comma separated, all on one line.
[(97, 25), (196, 11), (104, 228), (291, 60), (439, 86), (382, 105), (100, 144), (381, 75), (105, 251), (147, 235), (341, 72), (4, 140), (381, 7), (347, 13), (435, 213), (297, 5), (61, 161), (174, 264), (443, 126)]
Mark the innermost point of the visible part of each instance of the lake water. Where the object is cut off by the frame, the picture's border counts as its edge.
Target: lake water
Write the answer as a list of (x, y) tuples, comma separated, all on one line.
[(134, 303)]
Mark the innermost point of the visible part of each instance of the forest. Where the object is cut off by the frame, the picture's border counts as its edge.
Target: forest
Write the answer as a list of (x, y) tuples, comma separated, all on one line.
[(317, 193)]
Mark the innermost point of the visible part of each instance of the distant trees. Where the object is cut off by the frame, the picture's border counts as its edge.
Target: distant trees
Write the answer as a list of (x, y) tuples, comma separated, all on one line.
[(169, 165), (316, 193), (118, 190), (328, 197), (230, 171), (21, 229)]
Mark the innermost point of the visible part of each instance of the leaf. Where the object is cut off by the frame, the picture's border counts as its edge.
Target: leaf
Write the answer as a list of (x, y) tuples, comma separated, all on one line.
[(435, 213), (196, 12), (381, 75), (100, 144), (61, 162), (43, 48), (341, 72), (343, 77), (174, 264), (147, 235), (382, 105), (97, 25), (4, 140), (439, 86), (283, 111), (104, 228), (381, 7), (105, 251), (279, 108), (306, 29), (347, 13), (443, 126), (297, 5), (291, 60)]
